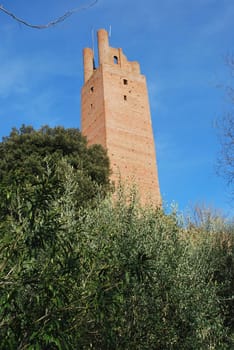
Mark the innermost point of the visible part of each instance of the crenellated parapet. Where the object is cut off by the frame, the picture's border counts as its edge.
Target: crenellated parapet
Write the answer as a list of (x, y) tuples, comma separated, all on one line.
[(107, 55)]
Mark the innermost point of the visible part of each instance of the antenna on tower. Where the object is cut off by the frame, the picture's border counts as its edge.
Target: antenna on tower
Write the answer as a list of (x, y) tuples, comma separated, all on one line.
[(92, 34), (110, 31)]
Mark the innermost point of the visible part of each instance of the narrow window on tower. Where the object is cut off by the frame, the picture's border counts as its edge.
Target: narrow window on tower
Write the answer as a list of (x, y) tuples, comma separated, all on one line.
[(125, 82), (116, 61), (125, 97), (91, 89), (91, 106)]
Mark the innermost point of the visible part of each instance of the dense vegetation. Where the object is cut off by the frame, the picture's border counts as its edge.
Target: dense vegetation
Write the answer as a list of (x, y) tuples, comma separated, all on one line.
[(25, 153), (98, 274)]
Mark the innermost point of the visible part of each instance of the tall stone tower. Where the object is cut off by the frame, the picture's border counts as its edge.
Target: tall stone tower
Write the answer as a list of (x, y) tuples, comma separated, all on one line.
[(116, 114)]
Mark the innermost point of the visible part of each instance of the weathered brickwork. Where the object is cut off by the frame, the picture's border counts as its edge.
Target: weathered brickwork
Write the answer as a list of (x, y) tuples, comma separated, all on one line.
[(116, 114)]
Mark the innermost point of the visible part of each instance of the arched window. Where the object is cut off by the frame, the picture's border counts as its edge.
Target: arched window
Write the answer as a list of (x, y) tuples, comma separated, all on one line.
[(116, 61)]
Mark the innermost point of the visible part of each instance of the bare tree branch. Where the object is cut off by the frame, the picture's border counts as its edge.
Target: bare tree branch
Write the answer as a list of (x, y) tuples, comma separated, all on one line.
[(52, 23), (225, 163)]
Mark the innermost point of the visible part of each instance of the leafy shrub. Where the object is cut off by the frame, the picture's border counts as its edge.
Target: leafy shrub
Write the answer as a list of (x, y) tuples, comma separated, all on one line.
[(109, 276), (209, 232)]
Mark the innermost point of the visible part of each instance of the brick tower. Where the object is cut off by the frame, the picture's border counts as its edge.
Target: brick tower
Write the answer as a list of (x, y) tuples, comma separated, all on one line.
[(116, 114)]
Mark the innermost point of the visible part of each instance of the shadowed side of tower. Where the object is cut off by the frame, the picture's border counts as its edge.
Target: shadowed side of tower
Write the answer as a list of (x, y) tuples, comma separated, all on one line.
[(116, 114)]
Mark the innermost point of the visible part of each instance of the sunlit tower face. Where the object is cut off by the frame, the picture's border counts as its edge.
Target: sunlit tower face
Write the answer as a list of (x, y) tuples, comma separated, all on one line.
[(116, 114)]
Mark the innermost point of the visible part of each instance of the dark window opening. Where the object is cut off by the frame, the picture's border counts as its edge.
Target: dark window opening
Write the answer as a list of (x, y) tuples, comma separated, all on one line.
[(125, 97), (125, 82), (91, 106), (116, 61), (92, 89)]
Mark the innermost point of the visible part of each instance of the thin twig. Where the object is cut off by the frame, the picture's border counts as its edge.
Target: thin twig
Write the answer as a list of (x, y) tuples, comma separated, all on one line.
[(52, 23)]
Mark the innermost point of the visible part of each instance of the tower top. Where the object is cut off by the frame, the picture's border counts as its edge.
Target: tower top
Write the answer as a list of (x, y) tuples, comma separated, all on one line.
[(107, 55)]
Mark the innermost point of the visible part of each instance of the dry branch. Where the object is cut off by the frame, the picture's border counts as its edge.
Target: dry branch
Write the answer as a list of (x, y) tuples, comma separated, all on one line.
[(51, 23)]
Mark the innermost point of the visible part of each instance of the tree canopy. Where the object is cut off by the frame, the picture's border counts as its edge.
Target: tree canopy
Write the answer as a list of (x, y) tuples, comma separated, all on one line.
[(26, 152)]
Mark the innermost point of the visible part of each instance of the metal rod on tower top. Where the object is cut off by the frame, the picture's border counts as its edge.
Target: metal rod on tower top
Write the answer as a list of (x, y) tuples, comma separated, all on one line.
[(93, 41)]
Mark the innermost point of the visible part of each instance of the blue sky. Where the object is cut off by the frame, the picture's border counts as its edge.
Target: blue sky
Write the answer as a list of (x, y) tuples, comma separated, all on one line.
[(180, 45)]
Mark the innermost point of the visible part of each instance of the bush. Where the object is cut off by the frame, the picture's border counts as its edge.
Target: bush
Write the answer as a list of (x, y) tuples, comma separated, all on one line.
[(209, 232), (113, 276)]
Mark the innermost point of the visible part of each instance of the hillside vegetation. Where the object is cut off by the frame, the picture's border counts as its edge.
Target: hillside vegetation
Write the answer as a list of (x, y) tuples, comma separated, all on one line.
[(81, 271)]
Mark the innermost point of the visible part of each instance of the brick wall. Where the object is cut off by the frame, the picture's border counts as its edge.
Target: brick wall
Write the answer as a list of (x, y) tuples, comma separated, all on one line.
[(116, 114)]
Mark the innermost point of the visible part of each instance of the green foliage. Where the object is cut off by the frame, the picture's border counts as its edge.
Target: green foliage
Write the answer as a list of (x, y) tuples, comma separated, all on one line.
[(24, 152), (109, 276), (81, 272), (223, 265), (214, 236)]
